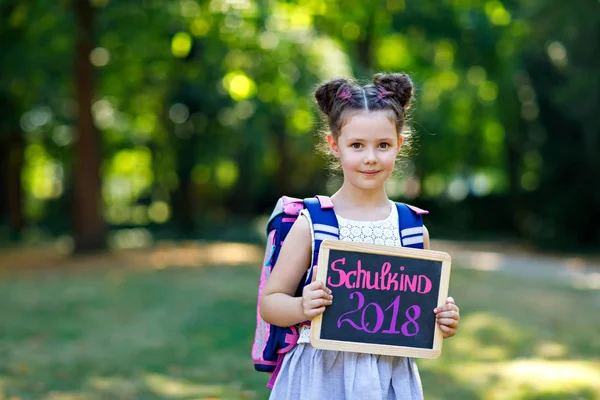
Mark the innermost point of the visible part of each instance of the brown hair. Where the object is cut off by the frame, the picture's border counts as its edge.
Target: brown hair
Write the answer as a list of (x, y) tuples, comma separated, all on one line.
[(339, 99)]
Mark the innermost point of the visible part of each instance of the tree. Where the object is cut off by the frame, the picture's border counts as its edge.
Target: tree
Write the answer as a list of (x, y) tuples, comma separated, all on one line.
[(89, 228), (11, 135)]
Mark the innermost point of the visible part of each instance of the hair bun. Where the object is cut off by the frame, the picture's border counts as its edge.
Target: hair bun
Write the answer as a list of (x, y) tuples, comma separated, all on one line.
[(326, 93), (399, 84)]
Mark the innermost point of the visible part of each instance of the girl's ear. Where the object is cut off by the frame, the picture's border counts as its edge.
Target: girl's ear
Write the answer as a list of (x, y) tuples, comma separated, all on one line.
[(400, 141), (333, 146)]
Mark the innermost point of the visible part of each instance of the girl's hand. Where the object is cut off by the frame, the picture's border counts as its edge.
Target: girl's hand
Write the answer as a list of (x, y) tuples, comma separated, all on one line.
[(315, 297), (447, 317)]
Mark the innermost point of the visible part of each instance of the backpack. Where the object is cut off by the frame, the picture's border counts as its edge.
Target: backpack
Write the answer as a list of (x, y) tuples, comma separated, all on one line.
[(272, 342)]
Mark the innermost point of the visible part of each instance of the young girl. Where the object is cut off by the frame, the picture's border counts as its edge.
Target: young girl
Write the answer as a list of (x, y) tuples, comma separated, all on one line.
[(365, 134)]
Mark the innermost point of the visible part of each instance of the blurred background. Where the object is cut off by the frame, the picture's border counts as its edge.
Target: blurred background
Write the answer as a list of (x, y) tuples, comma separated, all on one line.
[(141, 138)]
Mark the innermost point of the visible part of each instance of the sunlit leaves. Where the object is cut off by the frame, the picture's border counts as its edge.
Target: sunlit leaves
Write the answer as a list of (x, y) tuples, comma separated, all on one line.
[(237, 59), (476, 75), (327, 59), (301, 122), (239, 85), (268, 40), (226, 173), (488, 91), (393, 53), (199, 27), (497, 14), (181, 44), (494, 132), (493, 144), (444, 54), (223, 6), (287, 17), (558, 54), (189, 8), (36, 118), (351, 30), (448, 80), (100, 57), (395, 5), (159, 212), (103, 113), (316, 7), (127, 175), (42, 175), (267, 92)]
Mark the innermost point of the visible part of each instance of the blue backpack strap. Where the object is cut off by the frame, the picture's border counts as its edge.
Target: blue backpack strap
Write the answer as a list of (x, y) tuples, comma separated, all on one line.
[(411, 225), (324, 226), (283, 217)]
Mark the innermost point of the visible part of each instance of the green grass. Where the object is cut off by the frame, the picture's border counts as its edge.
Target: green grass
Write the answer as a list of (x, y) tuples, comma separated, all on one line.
[(185, 333)]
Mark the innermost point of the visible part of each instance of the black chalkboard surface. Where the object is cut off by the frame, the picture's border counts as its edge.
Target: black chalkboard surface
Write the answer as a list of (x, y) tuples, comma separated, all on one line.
[(383, 299)]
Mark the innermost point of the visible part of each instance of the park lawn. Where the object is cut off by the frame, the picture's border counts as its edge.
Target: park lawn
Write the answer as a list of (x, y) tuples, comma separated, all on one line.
[(186, 332)]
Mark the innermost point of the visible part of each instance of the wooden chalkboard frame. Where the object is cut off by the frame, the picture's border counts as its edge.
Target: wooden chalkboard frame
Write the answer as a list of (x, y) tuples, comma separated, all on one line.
[(372, 348)]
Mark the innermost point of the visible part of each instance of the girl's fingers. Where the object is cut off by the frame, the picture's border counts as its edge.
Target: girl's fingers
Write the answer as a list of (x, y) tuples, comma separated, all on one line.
[(317, 285), (447, 331), (450, 300), (315, 311), (319, 294), (449, 314), (320, 302), (446, 308), (447, 322)]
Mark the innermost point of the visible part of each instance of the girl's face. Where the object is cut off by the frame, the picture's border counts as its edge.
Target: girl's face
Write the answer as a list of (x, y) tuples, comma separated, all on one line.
[(367, 148)]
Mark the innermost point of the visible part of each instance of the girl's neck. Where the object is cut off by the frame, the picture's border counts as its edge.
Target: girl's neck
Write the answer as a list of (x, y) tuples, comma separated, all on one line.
[(350, 197)]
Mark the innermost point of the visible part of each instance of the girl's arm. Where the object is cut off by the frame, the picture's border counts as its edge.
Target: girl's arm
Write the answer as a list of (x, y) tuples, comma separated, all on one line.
[(447, 316), (277, 305)]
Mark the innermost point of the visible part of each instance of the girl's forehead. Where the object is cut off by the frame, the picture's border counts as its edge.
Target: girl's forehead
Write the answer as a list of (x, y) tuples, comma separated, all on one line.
[(367, 123)]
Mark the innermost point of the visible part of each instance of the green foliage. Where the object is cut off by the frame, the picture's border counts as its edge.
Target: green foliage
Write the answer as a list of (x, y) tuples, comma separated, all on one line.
[(212, 102)]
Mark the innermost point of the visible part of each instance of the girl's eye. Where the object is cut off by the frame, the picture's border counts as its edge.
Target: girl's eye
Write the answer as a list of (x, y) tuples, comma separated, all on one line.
[(356, 145), (384, 145)]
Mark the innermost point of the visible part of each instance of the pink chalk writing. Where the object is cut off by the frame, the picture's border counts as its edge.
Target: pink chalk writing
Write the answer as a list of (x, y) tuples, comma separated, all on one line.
[(411, 317), (384, 279)]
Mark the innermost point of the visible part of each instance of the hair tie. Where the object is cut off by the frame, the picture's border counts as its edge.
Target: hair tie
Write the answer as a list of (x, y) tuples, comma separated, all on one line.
[(382, 93), (346, 94)]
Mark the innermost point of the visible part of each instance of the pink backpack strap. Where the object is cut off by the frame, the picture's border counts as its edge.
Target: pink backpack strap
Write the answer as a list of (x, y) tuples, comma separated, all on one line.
[(291, 205), (417, 210), (325, 201)]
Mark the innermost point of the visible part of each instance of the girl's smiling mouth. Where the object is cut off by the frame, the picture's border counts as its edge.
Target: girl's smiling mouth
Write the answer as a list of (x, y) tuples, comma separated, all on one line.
[(369, 173)]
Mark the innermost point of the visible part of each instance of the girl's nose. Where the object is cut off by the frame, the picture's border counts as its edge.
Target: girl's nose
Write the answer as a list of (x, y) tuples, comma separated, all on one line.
[(370, 157)]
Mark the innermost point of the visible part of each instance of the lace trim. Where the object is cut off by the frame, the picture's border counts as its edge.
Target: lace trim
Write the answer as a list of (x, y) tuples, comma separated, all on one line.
[(374, 232), (393, 210)]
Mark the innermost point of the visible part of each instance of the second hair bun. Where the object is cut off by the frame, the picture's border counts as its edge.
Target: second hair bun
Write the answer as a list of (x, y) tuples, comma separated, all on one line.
[(399, 84)]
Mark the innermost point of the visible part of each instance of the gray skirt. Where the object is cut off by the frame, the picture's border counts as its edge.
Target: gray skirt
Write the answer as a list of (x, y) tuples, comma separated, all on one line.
[(309, 373)]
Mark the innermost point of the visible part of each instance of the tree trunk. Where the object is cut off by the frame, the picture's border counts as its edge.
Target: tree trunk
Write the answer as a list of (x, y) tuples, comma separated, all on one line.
[(4, 152), (11, 151), (90, 231), (13, 182)]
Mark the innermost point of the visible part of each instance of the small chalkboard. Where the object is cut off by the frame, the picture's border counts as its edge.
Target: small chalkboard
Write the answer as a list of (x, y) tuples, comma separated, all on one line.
[(383, 299)]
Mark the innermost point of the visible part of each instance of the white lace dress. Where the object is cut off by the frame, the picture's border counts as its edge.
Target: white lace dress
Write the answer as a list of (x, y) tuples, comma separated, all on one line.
[(309, 373)]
